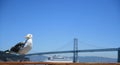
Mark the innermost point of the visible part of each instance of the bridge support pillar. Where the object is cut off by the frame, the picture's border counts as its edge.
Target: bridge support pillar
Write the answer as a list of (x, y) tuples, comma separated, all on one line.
[(75, 53), (118, 55)]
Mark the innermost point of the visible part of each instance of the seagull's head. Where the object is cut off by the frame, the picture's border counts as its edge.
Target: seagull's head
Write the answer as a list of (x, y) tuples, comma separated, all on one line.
[(28, 36)]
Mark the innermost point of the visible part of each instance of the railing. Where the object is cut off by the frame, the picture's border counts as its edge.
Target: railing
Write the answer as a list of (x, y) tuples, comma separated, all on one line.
[(48, 63)]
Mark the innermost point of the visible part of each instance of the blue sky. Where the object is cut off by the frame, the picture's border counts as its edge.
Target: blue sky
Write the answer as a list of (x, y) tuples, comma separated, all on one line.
[(55, 23)]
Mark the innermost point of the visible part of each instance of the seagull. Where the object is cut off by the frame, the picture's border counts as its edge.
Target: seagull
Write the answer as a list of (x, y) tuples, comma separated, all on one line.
[(22, 47)]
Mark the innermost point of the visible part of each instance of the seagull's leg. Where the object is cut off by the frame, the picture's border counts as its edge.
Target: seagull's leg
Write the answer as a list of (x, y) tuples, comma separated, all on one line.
[(22, 58)]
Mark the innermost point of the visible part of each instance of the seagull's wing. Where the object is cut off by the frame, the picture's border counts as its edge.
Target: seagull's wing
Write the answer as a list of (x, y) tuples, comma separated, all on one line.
[(17, 47)]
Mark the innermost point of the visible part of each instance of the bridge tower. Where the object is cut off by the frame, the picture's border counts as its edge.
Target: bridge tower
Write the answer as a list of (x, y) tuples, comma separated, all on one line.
[(118, 55), (75, 48)]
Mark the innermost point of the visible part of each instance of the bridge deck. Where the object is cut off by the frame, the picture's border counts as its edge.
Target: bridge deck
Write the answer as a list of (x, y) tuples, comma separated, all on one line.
[(49, 63)]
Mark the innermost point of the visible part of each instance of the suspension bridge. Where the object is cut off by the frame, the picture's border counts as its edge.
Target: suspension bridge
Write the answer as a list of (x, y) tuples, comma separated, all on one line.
[(75, 51)]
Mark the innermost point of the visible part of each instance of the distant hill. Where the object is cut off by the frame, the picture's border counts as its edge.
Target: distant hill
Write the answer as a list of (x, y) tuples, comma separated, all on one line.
[(38, 58), (97, 59)]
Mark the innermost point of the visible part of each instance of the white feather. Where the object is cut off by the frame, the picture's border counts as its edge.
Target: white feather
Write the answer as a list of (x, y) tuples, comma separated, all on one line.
[(28, 45)]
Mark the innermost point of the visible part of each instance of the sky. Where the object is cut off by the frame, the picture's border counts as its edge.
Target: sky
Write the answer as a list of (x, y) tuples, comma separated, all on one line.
[(55, 23)]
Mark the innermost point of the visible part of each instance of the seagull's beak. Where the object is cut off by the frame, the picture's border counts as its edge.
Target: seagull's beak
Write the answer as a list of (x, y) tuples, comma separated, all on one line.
[(27, 37)]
